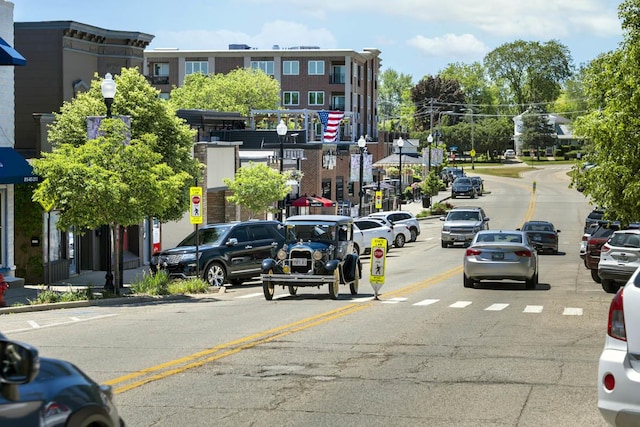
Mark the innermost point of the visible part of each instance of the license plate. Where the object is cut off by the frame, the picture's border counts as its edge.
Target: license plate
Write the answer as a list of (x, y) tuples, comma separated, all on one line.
[(497, 256), (299, 262), (537, 238), (460, 238)]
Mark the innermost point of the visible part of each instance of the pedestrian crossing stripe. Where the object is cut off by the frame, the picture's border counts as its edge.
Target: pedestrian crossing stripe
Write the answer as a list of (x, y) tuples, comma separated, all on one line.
[(496, 307)]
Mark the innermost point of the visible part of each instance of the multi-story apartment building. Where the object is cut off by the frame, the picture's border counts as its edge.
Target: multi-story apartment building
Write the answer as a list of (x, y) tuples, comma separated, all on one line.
[(310, 77)]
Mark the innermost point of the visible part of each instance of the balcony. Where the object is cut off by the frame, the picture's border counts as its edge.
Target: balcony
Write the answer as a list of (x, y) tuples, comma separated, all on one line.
[(158, 80), (337, 106), (337, 79)]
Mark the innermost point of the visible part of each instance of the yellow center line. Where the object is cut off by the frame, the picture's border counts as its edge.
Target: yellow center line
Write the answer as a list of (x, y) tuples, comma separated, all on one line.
[(176, 366)]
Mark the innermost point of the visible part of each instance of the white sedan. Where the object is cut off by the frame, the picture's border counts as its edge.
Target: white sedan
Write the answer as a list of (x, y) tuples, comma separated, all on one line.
[(364, 230), (619, 366), (401, 232)]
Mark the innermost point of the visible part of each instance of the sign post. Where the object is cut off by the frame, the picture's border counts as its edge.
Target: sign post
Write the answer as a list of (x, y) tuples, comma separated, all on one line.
[(195, 216), (378, 264), (47, 205)]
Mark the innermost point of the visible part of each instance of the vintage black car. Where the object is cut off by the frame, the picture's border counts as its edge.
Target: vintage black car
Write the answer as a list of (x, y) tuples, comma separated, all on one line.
[(318, 250)]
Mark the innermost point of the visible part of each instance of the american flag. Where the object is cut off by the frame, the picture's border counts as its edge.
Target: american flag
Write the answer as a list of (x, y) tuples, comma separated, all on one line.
[(331, 123)]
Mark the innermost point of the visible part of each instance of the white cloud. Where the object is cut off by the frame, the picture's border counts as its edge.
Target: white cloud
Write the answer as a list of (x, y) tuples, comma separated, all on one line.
[(450, 46)]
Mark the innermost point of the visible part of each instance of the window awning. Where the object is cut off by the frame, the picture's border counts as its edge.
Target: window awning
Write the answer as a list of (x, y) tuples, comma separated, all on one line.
[(14, 169), (10, 56)]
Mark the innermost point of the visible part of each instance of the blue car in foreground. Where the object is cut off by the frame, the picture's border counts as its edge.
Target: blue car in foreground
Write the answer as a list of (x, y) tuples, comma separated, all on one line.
[(47, 392)]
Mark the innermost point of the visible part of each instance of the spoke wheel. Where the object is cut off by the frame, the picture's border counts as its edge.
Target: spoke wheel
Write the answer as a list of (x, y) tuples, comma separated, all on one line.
[(293, 290), (414, 235), (610, 286), (268, 288), (215, 275), (400, 240), (334, 286), (594, 275), (353, 286)]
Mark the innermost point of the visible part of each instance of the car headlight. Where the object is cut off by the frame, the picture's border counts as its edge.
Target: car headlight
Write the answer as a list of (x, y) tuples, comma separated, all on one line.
[(188, 257), (445, 228), (317, 255), (282, 254)]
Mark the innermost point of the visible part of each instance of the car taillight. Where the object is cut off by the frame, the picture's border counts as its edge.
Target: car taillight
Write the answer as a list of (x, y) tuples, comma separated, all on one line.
[(605, 248), (473, 252), (615, 328), (525, 253)]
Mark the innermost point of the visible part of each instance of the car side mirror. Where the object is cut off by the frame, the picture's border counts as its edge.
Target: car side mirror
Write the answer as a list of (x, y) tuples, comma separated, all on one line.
[(442, 218), (19, 364), (557, 231), (487, 218), (232, 241)]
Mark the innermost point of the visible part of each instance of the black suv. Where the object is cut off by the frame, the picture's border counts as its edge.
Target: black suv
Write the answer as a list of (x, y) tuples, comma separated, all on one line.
[(228, 253)]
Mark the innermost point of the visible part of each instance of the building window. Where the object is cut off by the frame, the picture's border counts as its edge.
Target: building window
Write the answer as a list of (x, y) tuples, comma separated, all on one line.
[(291, 68), (339, 188), (191, 67), (266, 66), (316, 98), (326, 188), (291, 98), (337, 102), (161, 69), (316, 68), (338, 74), (350, 188)]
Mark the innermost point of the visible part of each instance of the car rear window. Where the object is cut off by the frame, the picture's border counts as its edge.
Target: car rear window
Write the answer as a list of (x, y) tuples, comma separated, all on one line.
[(628, 240)]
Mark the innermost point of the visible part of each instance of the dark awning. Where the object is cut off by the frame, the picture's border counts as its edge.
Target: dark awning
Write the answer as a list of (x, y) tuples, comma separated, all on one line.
[(14, 169), (10, 56)]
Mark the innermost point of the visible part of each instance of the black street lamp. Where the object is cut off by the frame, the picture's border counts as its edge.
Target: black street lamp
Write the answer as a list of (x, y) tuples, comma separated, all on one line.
[(108, 87), (429, 140), (400, 145), (362, 143), (281, 129)]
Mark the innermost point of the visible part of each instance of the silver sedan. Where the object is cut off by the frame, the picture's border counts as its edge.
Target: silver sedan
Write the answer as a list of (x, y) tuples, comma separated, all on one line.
[(499, 255)]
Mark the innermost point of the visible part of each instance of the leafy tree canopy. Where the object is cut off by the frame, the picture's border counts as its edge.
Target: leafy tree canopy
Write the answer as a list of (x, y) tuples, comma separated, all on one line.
[(530, 72), (257, 187), (430, 88), (392, 93), (241, 90)]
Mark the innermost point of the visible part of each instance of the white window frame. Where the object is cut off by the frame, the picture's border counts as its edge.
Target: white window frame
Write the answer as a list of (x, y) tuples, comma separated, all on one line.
[(291, 94), (316, 68), (161, 69), (315, 94), (190, 67), (267, 66), (290, 68)]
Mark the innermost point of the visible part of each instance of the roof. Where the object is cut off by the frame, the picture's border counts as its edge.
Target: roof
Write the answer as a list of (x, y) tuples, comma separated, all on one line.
[(394, 160), (320, 218)]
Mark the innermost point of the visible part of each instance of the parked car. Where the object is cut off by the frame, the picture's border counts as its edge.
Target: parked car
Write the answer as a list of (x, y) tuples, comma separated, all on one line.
[(318, 250), (498, 255), (366, 229), (585, 239), (463, 187), (401, 232), (402, 217), (619, 259), (461, 224), (619, 366), (594, 244), (542, 235), (449, 174), (509, 154), (39, 391), (593, 217), (478, 184), (229, 253)]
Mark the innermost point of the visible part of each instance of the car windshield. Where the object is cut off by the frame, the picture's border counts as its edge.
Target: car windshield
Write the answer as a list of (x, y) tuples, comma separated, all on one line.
[(207, 236), (463, 216), (462, 181), (310, 232)]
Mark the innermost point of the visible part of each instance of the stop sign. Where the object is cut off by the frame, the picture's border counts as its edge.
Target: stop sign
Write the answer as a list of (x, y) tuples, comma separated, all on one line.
[(195, 200), (378, 253)]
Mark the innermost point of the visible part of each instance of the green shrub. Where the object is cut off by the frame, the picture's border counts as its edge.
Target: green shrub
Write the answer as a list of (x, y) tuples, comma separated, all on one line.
[(152, 284), (48, 296), (189, 286)]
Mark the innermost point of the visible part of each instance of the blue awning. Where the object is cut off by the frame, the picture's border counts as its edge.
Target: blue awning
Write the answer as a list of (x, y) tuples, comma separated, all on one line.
[(14, 169), (10, 56)]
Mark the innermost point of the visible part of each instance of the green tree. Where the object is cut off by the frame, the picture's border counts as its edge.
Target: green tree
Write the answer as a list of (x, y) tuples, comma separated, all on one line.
[(430, 88), (530, 72), (478, 90), (612, 128), (241, 90), (257, 187), (105, 181), (392, 97), (152, 120), (537, 132)]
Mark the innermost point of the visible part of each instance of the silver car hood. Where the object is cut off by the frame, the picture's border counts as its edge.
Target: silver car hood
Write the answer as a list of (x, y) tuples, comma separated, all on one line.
[(463, 223)]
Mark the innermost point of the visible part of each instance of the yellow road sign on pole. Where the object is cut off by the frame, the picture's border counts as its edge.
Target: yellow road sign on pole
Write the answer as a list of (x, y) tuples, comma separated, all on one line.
[(195, 198), (378, 199)]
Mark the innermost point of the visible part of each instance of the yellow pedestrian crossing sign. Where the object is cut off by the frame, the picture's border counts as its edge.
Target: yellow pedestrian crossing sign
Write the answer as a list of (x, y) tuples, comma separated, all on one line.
[(378, 199), (195, 198), (377, 263)]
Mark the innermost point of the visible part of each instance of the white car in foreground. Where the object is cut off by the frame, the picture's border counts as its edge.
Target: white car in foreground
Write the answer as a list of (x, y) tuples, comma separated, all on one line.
[(364, 230), (619, 366)]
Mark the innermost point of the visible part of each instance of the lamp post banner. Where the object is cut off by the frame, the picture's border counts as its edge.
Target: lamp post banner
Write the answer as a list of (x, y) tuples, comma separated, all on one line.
[(367, 168), (93, 127)]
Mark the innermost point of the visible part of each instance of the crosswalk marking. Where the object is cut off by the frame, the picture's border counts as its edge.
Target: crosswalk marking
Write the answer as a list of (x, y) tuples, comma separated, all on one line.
[(572, 311), (256, 294), (394, 300), (497, 307), (532, 309), (427, 302), (460, 304)]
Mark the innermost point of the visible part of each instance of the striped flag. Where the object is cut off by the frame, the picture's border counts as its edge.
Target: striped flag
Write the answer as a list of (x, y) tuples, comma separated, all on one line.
[(331, 124)]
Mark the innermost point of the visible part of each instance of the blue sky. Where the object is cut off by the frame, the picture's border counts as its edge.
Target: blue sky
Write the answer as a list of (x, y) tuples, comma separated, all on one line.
[(416, 37)]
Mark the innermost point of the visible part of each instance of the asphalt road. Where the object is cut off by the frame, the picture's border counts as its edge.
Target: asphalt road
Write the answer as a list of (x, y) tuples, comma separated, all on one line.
[(429, 352)]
